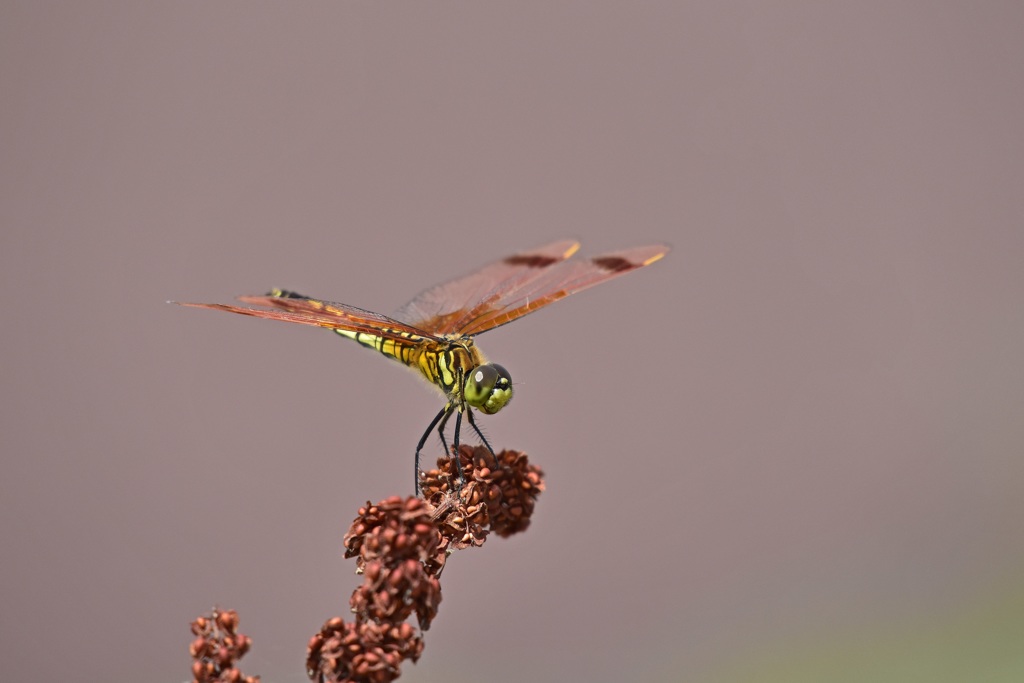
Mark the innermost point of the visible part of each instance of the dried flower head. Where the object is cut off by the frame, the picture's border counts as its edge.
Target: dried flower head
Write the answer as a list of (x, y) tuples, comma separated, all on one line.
[(217, 647), (500, 493), (393, 530), (392, 594), (362, 651)]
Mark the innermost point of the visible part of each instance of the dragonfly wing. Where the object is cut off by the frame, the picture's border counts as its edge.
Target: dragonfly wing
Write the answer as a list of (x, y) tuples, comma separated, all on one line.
[(439, 309), (343, 312), (545, 287), (330, 315)]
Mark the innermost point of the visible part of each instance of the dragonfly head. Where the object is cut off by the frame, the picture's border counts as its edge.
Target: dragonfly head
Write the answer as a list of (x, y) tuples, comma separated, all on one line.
[(488, 388)]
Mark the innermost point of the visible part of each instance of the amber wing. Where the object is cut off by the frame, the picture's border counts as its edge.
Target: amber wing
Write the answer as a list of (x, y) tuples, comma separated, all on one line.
[(487, 298), (440, 308), (327, 314), (511, 288)]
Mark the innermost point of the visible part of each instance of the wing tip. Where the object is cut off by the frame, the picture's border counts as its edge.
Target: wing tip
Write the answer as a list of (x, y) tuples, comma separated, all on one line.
[(663, 250), (544, 256), (632, 258)]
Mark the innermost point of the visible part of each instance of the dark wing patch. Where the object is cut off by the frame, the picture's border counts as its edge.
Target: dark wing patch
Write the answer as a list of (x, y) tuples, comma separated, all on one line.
[(439, 309), (547, 286)]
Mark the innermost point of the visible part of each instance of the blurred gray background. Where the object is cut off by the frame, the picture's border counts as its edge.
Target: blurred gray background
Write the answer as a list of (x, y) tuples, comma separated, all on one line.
[(792, 450)]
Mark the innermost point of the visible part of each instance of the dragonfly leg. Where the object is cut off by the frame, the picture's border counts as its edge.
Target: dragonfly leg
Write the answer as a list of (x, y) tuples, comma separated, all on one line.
[(441, 417), (472, 423), (455, 451), (440, 431)]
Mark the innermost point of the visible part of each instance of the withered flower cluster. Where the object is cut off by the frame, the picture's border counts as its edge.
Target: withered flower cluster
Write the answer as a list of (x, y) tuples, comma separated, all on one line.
[(217, 647), (499, 495), (401, 546)]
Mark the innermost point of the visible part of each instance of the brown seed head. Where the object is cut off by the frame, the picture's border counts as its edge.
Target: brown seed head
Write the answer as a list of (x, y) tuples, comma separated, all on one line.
[(392, 531), (361, 651), (500, 493), (401, 546), (217, 648)]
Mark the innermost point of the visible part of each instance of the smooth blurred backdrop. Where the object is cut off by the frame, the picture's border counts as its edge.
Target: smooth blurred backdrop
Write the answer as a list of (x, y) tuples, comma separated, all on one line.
[(791, 451)]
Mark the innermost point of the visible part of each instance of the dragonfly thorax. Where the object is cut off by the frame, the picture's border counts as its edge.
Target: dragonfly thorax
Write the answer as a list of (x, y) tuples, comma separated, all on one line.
[(488, 388), (460, 370)]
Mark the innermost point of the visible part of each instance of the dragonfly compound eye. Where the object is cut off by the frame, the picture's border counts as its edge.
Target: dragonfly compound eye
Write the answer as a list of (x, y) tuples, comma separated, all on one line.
[(488, 388)]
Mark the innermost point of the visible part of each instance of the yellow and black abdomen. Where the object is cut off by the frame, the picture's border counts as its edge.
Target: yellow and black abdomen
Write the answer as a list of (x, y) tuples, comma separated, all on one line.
[(443, 364)]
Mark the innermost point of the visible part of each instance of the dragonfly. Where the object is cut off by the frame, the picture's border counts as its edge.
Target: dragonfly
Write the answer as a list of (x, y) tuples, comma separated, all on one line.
[(434, 334)]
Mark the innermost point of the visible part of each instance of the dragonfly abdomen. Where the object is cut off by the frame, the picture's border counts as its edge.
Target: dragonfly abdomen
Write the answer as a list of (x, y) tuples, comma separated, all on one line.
[(443, 364)]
